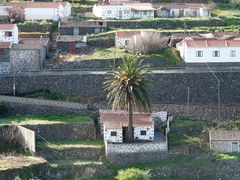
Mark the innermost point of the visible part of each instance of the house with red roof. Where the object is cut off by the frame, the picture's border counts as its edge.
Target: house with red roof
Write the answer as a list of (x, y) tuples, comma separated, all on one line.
[(9, 33), (209, 50), (124, 11), (47, 10), (122, 38)]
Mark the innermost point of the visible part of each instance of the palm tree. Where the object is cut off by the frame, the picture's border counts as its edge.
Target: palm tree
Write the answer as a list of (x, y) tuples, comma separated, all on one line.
[(127, 88)]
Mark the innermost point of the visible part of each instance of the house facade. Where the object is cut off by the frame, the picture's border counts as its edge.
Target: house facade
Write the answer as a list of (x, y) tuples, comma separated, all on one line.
[(47, 11), (9, 33), (178, 10), (124, 11), (115, 124), (209, 50), (227, 141), (71, 44), (82, 28), (122, 38)]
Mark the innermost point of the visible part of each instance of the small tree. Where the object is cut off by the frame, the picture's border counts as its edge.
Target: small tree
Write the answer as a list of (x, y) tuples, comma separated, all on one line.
[(147, 43), (132, 174)]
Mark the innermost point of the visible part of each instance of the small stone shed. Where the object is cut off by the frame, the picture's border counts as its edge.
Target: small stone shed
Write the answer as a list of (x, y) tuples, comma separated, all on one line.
[(29, 54), (227, 141), (115, 125), (71, 44), (82, 28)]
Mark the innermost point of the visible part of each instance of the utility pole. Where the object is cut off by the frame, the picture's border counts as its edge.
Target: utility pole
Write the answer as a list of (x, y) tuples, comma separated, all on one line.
[(14, 79), (218, 87), (188, 97)]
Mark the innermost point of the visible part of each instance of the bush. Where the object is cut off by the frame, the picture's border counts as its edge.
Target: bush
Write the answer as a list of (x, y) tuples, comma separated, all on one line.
[(235, 3), (3, 109), (132, 174)]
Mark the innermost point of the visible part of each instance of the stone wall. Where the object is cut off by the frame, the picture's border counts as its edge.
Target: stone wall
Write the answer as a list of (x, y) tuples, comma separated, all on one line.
[(168, 88), (4, 67), (82, 30), (30, 106), (71, 131), (223, 145)]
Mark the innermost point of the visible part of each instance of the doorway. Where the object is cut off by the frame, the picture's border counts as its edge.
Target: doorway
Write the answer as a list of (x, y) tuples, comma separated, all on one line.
[(234, 147)]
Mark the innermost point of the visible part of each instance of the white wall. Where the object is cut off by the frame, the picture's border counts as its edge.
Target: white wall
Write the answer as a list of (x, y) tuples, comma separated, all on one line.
[(12, 39), (189, 54), (3, 10), (67, 10), (121, 42), (149, 133), (115, 139), (46, 13)]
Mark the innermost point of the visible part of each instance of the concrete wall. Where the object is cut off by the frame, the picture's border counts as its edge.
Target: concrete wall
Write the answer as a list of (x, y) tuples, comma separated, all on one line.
[(223, 146)]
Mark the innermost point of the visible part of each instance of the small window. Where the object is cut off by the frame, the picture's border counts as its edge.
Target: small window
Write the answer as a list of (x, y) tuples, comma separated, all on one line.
[(8, 34), (126, 42), (143, 133), (233, 53), (135, 12), (199, 53), (216, 53), (144, 12), (109, 12), (113, 133)]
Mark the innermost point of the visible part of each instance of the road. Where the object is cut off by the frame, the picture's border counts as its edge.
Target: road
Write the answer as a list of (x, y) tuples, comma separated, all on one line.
[(177, 70)]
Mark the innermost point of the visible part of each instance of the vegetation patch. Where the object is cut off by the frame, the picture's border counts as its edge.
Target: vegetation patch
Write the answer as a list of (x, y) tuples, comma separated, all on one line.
[(35, 120), (66, 163)]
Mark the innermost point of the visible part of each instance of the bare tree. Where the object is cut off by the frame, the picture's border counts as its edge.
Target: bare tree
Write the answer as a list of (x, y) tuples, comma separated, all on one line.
[(147, 43)]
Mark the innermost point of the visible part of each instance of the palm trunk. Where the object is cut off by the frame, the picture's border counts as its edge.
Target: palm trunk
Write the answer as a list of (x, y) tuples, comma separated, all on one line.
[(130, 120)]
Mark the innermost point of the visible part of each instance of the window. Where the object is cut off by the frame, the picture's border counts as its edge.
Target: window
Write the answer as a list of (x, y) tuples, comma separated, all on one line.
[(8, 34), (135, 12), (216, 53), (144, 12), (234, 147), (126, 42), (199, 53), (233, 53), (109, 12), (143, 133), (126, 12), (113, 133)]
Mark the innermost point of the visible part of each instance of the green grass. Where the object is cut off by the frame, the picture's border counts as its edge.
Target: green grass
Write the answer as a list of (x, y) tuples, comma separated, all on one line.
[(186, 123), (34, 120), (226, 156), (107, 53), (59, 145), (64, 163)]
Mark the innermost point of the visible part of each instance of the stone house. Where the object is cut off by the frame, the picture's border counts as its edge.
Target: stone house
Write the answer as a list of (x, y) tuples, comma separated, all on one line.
[(209, 50), (227, 141), (71, 44), (5, 57), (82, 28), (47, 10), (29, 54), (115, 124), (9, 33), (124, 11), (178, 10)]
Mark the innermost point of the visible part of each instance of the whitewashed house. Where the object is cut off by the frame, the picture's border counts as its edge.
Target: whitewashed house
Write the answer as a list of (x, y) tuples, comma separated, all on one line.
[(115, 125), (209, 50), (47, 11), (122, 38), (9, 33), (227, 141), (178, 10), (124, 11)]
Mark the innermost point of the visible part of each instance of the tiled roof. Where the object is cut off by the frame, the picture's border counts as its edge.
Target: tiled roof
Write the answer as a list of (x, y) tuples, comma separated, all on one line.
[(43, 5), (225, 135), (140, 6), (127, 34), (180, 5), (7, 26), (31, 43), (93, 24), (68, 38), (120, 119), (5, 45), (211, 43)]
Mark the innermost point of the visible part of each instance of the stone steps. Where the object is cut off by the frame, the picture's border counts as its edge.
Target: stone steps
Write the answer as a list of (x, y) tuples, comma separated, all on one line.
[(76, 169), (67, 150)]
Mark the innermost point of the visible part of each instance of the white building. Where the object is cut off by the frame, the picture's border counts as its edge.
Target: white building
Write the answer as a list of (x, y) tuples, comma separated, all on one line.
[(115, 125), (124, 11), (47, 11), (122, 38), (178, 10), (9, 33), (209, 50)]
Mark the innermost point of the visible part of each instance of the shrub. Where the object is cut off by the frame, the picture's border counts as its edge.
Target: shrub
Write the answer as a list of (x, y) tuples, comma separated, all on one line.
[(132, 174), (3, 109)]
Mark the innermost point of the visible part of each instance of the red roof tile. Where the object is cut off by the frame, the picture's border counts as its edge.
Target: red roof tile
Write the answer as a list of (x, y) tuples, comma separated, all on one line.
[(43, 5), (127, 34), (5, 45), (7, 26)]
